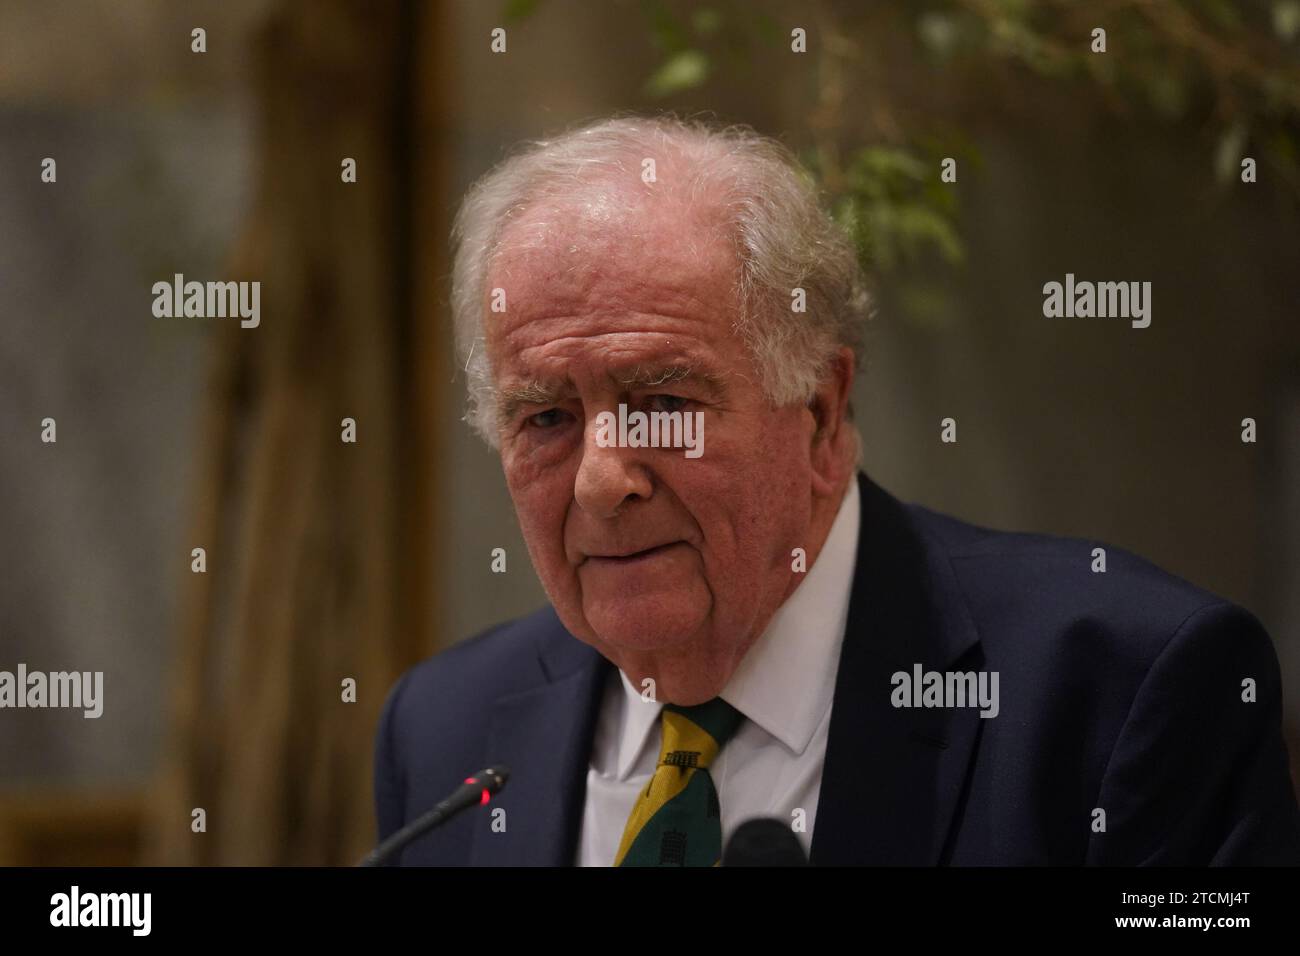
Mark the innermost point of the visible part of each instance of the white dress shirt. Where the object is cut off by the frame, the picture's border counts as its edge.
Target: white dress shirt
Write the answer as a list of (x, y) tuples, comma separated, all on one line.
[(772, 766)]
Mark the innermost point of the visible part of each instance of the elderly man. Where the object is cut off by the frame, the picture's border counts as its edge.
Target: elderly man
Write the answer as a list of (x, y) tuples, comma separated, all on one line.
[(750, 628)]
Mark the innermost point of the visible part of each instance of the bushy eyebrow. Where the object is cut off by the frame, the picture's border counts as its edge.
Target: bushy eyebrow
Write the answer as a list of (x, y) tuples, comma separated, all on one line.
[(655, 375), (537, 392)]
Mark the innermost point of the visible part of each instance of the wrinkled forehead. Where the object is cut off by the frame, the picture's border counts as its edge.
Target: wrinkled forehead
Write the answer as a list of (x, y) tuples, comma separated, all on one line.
[(614, 254)]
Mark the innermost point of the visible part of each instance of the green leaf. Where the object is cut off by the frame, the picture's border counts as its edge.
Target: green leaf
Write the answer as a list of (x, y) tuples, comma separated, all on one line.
[(1228, 154), (1166, 93), (1286, 19), (1223, 13), (519, 9), (681, 71), (768, 30), (706, 21), (666, 31), (939, 32), (925, 306)]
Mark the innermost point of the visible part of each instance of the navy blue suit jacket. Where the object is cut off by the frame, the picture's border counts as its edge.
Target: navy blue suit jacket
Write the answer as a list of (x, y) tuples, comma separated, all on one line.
[(1119, 691)]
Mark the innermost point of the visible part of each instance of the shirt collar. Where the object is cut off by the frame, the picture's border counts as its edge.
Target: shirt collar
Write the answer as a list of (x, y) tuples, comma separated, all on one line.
[(787, 678)]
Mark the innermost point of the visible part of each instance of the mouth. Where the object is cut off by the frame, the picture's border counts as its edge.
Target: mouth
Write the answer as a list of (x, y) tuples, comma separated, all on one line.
[(629, 560)]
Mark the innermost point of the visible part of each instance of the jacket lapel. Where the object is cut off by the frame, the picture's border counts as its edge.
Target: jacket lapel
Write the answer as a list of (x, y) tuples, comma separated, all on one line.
[(893, 776), (544, 736)]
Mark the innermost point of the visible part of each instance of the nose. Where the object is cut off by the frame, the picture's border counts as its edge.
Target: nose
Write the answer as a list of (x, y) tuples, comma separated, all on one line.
[(608, 477)]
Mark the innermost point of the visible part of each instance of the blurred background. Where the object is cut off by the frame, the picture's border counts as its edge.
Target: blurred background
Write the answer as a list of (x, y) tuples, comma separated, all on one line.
[(327, 561)]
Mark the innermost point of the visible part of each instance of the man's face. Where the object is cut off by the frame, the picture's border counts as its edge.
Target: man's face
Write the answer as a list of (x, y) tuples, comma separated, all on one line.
[(670, 566)]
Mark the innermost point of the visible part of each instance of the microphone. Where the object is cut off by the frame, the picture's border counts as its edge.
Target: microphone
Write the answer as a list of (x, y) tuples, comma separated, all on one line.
[(764, 841), (475, 791)]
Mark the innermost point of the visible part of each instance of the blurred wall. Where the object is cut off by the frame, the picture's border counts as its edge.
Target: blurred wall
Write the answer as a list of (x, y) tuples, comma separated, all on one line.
[(153, 150)]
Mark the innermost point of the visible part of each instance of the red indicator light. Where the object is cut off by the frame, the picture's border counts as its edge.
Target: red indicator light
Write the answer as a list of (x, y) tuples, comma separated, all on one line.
[(486, 797)]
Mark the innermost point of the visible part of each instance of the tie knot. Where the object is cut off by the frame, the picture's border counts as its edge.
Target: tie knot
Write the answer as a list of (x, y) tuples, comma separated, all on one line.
[(692, 736)]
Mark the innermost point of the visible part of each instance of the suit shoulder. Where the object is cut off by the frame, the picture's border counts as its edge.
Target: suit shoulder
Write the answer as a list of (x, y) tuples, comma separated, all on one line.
[(486, 663), (1064, 585)]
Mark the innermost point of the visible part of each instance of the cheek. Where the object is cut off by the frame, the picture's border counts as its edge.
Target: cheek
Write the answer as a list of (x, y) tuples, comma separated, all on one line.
[(750, 495), (541, 499)]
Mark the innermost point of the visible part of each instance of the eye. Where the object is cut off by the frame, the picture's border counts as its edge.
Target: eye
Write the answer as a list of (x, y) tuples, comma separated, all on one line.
[(547, 419), (667, 403)]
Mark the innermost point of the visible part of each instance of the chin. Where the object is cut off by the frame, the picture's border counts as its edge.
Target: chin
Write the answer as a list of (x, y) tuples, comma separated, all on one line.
[(627, 627)]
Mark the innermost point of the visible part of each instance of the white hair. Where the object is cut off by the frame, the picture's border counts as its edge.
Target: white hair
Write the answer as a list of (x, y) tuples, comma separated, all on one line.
[(783, 237)]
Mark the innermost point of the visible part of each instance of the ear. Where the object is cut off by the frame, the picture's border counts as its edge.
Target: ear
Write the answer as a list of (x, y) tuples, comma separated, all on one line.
[(833, 441)]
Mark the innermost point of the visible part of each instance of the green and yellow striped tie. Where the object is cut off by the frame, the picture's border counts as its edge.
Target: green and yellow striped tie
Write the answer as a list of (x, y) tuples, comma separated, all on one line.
[(676, 820)]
